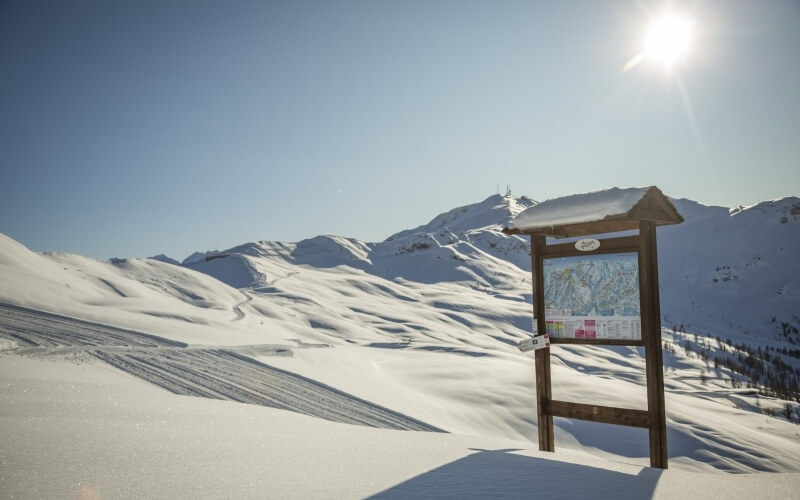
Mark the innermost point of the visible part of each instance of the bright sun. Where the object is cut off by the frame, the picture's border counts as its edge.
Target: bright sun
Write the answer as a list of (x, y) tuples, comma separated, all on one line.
[(668, 41)]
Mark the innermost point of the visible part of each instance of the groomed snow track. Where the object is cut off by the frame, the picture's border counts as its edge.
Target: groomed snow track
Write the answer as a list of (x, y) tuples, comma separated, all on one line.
[(36, 328), (217, 373)]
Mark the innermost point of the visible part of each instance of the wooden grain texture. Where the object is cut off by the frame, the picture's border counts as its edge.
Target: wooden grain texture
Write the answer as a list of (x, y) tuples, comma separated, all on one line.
[(597, 413), (544, 392), (651, 332)]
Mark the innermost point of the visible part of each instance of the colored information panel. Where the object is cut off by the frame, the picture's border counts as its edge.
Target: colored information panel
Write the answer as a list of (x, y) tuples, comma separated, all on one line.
[(593, 297)]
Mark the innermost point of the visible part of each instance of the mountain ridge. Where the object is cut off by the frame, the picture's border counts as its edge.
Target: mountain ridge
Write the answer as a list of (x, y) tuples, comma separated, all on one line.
[(465, 244)]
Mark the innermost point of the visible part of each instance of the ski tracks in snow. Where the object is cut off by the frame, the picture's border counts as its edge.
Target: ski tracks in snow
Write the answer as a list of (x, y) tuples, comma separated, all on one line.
[(225, 373), (238, 307)]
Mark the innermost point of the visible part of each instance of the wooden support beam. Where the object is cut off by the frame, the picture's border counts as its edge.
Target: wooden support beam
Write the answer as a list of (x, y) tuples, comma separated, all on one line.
[(651, 333), (544, 391), (597, 413)]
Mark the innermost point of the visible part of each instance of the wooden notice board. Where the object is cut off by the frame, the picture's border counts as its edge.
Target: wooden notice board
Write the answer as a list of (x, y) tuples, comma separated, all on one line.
[(599, 292)]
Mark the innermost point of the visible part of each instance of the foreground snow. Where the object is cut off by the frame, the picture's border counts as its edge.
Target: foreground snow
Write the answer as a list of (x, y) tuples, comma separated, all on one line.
[(90, 431)]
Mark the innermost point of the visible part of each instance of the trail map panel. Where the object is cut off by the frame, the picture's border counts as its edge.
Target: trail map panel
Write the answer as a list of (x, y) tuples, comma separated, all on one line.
[(593, 297)]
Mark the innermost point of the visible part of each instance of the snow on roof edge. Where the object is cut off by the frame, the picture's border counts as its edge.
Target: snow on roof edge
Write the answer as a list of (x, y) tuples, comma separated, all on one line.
[(579, 208)]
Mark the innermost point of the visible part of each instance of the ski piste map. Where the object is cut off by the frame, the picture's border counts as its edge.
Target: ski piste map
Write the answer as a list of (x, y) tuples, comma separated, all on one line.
[(593, 297)]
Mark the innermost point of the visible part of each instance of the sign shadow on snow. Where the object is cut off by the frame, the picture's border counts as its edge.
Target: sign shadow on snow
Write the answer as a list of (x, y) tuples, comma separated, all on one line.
[(503, 474)]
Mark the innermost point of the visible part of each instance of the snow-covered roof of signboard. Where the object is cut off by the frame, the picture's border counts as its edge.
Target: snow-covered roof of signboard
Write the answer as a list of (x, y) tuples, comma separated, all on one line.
[(610, 210)]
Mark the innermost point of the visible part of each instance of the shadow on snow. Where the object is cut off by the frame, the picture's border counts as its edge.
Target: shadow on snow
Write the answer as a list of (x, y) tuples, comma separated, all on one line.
[(502, 474)]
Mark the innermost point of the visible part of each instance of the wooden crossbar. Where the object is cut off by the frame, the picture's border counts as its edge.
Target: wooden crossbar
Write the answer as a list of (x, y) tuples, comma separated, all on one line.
[(602, 414)]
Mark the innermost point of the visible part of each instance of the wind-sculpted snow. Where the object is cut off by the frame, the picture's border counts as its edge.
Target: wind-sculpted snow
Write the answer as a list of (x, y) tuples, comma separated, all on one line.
[(217, 373), (236, 270), (331, 251)]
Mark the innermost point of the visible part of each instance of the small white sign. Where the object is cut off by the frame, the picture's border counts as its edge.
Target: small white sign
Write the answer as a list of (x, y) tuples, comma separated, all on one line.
[(587, 244), (533, 343)]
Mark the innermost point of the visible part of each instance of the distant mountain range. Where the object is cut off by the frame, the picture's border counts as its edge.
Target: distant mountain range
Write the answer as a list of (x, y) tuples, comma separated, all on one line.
[(731, 270)]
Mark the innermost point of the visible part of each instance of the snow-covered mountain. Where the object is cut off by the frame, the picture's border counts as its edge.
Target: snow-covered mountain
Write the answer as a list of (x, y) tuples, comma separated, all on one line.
[(727, 270), (426, 323), (463, 245), (728, 273), (733, 271)]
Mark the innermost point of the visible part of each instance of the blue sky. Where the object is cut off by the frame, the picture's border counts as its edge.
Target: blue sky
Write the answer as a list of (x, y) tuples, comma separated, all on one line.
[(131, 128)]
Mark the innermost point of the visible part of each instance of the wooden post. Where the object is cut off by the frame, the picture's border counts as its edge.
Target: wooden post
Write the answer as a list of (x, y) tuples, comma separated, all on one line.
[(651, 332), (544, 393)]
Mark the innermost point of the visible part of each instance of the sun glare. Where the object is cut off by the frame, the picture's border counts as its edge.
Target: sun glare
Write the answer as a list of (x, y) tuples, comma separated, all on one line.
[(669, 39), (667, 42)]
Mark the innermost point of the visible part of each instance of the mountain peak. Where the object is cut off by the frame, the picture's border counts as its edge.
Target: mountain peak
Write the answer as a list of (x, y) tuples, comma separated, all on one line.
[(492, 213), (163, 258)]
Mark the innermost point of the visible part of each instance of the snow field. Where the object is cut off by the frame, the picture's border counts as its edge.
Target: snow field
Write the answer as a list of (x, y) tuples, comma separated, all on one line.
[(89, 430), (427, 332)]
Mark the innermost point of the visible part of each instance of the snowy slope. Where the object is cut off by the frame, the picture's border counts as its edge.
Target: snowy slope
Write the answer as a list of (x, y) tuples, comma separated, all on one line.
[(732, 271), (495, 213), (89, 431), (139, 293), (426, 322)]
